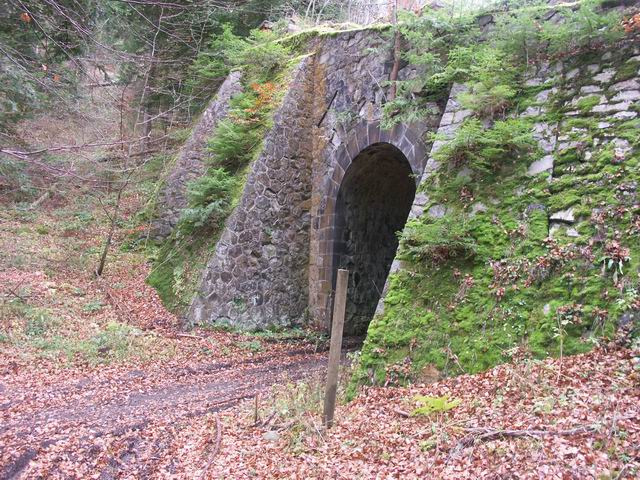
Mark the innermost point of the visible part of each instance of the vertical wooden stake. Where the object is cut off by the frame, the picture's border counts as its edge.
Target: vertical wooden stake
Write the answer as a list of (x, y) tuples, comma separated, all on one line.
[(337, 325), (256, 416)]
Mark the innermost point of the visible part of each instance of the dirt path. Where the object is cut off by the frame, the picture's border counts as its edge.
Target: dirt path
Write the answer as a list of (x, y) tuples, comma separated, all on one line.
[(126, 423)]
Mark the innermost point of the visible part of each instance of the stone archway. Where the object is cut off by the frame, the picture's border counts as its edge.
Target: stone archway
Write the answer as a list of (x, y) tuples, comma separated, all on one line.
[(402, 141), (373, 203)]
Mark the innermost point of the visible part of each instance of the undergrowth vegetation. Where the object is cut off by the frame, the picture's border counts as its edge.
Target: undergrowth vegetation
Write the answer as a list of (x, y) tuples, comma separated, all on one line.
[(293, 410), (116, 342), (235, 143), (492, 60), (486, 150)]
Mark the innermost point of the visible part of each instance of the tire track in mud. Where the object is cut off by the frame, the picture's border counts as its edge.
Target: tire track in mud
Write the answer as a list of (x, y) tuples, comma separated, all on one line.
[(133, 414)]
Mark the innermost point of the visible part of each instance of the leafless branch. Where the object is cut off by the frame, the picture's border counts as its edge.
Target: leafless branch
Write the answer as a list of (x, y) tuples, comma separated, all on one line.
[(216, 447), (24, 155)]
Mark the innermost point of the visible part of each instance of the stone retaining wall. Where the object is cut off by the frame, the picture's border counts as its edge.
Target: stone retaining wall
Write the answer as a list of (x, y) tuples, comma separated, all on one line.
[(190, 163), (258, 273), (275, 261)]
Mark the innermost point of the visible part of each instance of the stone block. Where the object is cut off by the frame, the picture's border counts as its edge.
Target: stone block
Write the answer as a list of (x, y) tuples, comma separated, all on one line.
[(605, 76), (374, 132), (448, 130), (621, 147), (457, 88), (385, 136), (576, 100), (338, 174), (531, 112), (447, 119), (534, 82), (545, 164), (452, 106), (543, 96), (587, 89), (353, 147), (627, 96), (625, 115), (632, 84), (397, 133), (611, 107), (478, 207), (571, 74), (420, 155), (420, 199), (437, 211), (342, 157), (431, 166), (414, 135), (461, 115), (327, 220), (565, 216), (416, 211)]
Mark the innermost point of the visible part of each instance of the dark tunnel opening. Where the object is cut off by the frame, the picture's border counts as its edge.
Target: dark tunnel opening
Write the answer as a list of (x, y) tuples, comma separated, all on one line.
[(373, 204)]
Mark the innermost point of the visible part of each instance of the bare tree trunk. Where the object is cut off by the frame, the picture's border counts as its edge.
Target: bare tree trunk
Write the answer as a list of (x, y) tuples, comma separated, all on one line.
[(310, 10), (146, 88), (146, 128), (319, 17), (396, 54), (112, 228), (124, 89)]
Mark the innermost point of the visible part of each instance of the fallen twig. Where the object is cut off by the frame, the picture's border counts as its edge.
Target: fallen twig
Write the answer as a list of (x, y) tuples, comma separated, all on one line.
[(268, 420), (187, 335), (14, 291), (285, 426), (120, 310), (216, 447), (488, 434), (402, 413), (42, 198), (621, 472), (256, 415)]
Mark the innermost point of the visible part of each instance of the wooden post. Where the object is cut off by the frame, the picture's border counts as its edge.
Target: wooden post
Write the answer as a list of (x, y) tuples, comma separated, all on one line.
[(337, 325)]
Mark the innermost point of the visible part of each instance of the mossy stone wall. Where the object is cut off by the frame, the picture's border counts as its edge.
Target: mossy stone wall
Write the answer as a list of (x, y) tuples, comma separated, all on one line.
[(552, 256)]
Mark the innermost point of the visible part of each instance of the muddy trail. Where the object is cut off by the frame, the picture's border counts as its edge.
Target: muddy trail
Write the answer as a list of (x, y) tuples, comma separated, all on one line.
[(117, 423)]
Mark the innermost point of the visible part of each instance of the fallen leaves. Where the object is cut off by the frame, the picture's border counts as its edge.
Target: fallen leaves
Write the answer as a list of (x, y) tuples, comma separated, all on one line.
[(592, 430)]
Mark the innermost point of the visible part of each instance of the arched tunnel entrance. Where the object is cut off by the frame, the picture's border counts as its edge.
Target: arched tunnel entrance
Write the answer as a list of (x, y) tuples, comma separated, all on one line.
[(373, 204)]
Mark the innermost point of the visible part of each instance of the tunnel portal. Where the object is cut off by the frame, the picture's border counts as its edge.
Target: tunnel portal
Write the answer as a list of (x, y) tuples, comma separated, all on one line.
[(373, 204)]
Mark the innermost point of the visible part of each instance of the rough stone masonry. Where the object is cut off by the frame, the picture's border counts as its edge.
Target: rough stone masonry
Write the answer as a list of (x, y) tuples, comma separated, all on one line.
[(275, 260), (190, 162), (309, 205)]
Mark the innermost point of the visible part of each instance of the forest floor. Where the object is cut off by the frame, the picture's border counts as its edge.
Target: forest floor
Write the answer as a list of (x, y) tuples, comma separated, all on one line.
[(98, 381)]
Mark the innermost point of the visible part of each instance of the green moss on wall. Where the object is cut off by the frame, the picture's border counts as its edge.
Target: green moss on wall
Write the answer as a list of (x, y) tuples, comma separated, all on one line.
[(627, 70), (587, 103), (530, 283), (176, 271)]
